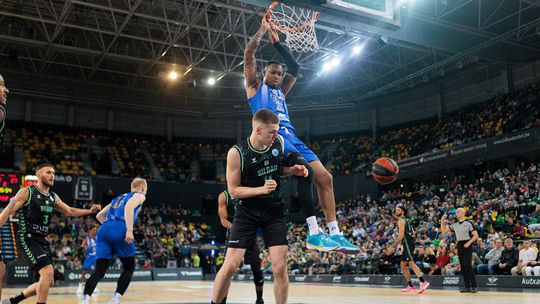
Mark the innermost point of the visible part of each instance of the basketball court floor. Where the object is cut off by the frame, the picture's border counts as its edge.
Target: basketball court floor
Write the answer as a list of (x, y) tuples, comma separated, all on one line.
[(196, 292)]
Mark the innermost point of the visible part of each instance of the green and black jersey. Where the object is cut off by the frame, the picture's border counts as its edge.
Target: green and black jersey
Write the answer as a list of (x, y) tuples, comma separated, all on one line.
[(35, 215), (230, 203), (409, 236), (258, 166)]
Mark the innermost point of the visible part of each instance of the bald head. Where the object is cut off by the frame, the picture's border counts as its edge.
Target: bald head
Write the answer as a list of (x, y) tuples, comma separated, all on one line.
[(460, 214)]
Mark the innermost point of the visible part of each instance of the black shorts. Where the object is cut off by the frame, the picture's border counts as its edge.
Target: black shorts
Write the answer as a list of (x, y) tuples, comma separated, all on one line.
[(408, 251), (252, 255), (35, 251), (250, 216)]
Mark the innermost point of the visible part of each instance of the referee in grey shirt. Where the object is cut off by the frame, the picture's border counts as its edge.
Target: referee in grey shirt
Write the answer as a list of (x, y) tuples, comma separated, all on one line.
[(466, 236)]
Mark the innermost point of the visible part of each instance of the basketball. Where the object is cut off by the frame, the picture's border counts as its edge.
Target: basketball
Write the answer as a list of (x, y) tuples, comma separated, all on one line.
[(384, 170)]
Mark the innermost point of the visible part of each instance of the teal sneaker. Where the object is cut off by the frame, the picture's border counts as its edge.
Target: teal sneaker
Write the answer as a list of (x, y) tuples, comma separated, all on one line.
[(321, 242), (344, 245)]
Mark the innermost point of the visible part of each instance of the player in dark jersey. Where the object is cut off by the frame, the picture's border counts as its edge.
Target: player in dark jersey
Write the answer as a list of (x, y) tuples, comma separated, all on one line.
[(115, 237), (254, 170), (4, 91), (36, 205), (406, 237), (270, 94), (226, 210)]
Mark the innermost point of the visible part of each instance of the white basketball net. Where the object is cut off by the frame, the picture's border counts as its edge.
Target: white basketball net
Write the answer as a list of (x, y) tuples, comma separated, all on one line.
[(298, 24)]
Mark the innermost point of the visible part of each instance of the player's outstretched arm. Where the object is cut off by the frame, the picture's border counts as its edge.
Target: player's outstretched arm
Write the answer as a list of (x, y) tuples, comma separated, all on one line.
[(63, 208), (293, 67), (129, 213), (222, 211), (15, 203), (250, 65), (233, 175)]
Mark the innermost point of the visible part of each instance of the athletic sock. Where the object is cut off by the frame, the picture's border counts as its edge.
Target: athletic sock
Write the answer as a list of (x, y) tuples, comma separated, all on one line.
[(259, 294), (333, 228), (117, 297), (410, 284), (421, 279), (312, 225), (17, 299), (224, 301), (86, 297)]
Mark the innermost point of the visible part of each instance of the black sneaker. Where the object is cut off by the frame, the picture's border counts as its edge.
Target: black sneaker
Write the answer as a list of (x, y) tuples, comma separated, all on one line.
[(474, 289), (465, 290), (259, 301)]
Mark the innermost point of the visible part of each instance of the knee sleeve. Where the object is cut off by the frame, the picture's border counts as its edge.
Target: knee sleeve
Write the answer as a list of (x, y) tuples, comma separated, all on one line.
[(128, 263), (258, 278)]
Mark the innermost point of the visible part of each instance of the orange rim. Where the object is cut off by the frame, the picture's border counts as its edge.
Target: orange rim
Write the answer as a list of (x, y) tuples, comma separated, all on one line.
[(285, 28)]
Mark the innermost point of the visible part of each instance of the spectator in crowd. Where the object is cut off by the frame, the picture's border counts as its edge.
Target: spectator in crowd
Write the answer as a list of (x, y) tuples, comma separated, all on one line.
[(534, 267), (492, 258), (509, 258), (442, 260), (526, 255)]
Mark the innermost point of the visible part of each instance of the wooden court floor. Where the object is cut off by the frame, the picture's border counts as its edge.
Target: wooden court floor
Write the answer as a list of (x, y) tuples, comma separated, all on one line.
[(196, 292)]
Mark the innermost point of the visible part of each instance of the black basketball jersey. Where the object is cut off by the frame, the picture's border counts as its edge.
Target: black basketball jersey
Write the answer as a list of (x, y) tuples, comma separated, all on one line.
[(231, 205), (260, 165), (409, 231), (35, 215)]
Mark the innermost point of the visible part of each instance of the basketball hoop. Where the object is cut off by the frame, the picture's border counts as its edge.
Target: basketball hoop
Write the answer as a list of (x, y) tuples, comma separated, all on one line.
[(298, 24)]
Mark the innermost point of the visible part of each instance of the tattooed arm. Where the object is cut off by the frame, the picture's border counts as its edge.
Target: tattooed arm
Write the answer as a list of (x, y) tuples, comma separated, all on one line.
[(15, 204), (250, 67)]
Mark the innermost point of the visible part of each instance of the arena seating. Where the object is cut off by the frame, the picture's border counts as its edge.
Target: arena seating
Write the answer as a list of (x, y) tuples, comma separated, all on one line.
[(192, 159)]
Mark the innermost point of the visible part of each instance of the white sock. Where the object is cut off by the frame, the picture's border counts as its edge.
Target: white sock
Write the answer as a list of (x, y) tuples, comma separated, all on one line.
[(333, 228), (312, 225), (86, 297), (80, 285), (117, 297)]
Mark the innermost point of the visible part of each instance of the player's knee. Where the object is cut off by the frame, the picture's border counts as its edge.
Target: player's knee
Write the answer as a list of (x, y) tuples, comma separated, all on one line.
[(279, 269), (128, 264), (324, 179), (46, 275)]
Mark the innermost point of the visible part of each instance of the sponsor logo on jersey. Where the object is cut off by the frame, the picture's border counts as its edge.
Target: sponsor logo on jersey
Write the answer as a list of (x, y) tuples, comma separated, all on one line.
[(275, 152)]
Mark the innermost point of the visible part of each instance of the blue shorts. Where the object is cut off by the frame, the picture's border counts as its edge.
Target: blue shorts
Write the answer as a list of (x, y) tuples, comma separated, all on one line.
[(110, 241), (294, 144), (89, 262)]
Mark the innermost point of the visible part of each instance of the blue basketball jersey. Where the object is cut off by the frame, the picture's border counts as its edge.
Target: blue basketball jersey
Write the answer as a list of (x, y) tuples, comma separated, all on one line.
[(116, 211), (273, 100), (90, 246)]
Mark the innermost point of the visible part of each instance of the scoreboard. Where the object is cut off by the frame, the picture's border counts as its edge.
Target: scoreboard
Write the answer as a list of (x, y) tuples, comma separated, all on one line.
[(10, 183)]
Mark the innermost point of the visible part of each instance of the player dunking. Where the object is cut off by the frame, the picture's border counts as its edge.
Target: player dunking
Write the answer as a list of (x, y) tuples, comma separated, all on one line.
[(407, 239), (89, 245), (226, 210), (270, 94), (37, 204), (254, 170), (115, 236)]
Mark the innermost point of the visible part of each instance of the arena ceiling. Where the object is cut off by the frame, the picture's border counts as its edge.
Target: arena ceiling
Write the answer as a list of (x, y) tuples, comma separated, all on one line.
[(120, 51)]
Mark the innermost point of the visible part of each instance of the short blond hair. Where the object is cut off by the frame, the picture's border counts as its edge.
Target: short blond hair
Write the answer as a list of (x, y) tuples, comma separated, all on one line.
[(138, 183)]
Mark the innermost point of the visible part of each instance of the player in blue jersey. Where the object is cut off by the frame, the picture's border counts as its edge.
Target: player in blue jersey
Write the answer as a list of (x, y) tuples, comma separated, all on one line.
[(270, 94), (89, 245), (115, 237)]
